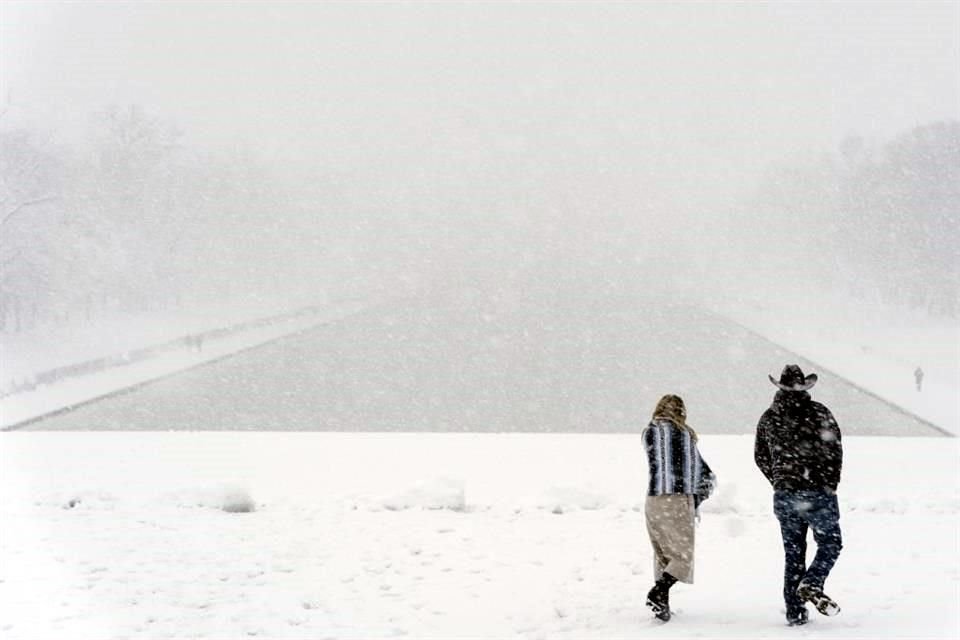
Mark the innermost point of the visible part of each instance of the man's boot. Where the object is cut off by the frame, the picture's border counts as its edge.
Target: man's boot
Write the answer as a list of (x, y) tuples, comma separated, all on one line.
[(814, 594), (797, 617)]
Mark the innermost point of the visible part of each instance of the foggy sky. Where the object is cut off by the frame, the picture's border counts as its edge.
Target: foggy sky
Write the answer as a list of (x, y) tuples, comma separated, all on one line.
[(692, 93)]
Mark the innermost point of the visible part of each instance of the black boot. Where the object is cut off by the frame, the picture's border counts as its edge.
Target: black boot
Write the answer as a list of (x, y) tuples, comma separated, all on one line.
[(657, 602), (659, 597)]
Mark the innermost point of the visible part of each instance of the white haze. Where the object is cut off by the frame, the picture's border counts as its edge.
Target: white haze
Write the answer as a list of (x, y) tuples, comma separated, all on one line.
[(426, 139)]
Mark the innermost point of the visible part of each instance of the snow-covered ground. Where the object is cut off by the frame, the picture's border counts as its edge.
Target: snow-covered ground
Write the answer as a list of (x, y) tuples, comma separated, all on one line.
[(313, 535), (125, 535)]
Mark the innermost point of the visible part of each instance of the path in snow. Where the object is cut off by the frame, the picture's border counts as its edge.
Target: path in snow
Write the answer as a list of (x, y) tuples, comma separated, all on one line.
[(472, 363)]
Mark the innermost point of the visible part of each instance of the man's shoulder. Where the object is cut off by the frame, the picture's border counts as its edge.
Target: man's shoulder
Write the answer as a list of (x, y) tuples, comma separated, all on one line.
[(821, 410), (768, 414)]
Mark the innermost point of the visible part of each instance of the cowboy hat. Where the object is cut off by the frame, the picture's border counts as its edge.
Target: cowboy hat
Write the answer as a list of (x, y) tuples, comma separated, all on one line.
[(792, 379)]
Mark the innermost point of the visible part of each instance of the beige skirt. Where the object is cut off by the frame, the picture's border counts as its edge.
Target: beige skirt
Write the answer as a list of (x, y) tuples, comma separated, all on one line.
[(670, 523)]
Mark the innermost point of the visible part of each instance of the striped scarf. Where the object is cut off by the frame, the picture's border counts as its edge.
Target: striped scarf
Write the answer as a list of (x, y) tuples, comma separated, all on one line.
[(675, 462)]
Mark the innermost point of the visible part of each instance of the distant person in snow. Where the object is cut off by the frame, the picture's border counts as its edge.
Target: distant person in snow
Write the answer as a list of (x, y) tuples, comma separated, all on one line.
[(679, 481), (918, 376), (195, 343), (798, 449)]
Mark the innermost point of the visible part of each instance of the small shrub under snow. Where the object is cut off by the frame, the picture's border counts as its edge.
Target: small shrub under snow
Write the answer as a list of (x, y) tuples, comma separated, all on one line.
[(238, 501), (228, 498)]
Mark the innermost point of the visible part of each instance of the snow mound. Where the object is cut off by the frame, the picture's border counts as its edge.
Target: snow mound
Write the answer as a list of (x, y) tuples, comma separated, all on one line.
[(440, 493), (564, 499)]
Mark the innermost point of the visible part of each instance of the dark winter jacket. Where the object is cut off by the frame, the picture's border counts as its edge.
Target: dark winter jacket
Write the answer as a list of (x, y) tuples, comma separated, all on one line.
[(798, 444), (675, 462)]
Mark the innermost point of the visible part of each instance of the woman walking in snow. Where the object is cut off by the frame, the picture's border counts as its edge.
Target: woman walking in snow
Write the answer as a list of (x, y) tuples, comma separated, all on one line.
[(679, 481)]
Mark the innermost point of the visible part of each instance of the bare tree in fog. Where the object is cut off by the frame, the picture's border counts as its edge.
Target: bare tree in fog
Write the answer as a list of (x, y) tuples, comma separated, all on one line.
[(873, 220), (29, 180), (132, 218)]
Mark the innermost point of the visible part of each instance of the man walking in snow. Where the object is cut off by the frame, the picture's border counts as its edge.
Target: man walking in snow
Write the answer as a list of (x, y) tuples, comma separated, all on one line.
[(798, 449)]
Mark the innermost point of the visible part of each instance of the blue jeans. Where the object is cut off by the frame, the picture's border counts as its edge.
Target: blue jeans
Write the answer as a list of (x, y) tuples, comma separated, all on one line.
[(797, 511)]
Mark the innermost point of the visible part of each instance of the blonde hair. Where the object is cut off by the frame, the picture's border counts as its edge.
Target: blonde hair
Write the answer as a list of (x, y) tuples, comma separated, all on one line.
[(671, 407)]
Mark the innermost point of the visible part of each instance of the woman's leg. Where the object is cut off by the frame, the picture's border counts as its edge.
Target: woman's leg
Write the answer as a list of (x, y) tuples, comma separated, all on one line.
[(670, 523)]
